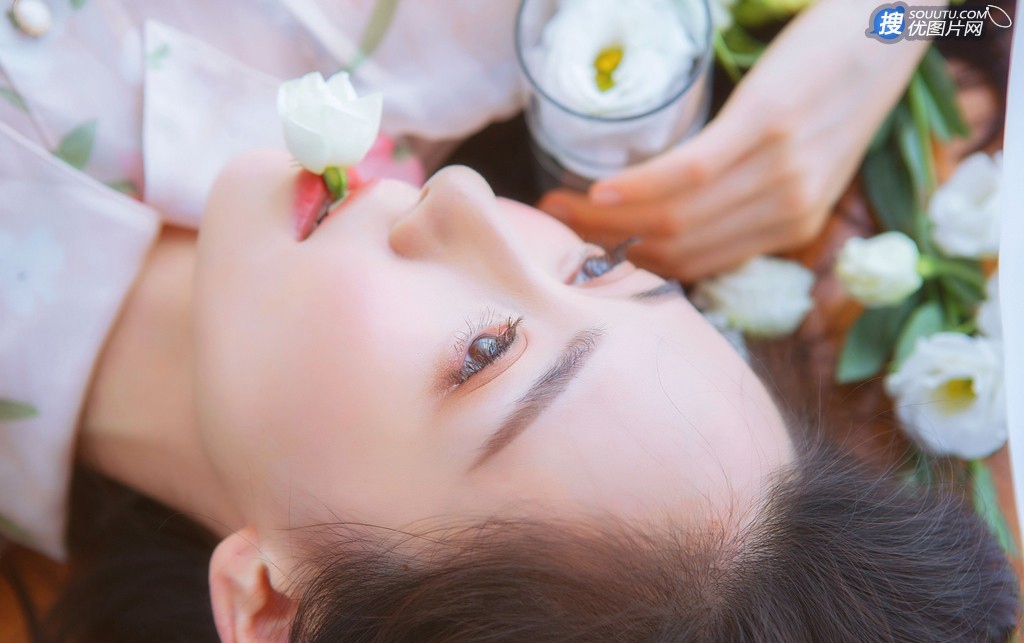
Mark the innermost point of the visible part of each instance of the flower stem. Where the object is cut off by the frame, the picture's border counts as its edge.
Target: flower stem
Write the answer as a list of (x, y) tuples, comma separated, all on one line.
[(930, 266), (336, 179), (725, 57)]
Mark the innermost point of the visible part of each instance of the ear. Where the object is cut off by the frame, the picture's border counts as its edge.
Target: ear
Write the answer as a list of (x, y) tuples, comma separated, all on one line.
[(246, 607)]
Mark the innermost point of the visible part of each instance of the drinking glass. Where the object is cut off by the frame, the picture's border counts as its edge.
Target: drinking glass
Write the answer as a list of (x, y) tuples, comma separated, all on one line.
[(574, 148)]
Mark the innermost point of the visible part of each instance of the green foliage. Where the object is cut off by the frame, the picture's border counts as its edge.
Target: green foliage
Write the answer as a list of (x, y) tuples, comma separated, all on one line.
[(871, 340), (14, 98), (887, 186), (986, 503), (13, 530), (76, 146), (14, 410), (737, 51), (125, 186), (377, 27), (926, 320), (940, 95), (155, 58)]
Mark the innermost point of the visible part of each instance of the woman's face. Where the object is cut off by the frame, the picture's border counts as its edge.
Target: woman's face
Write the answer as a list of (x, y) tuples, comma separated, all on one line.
[(435, 354)]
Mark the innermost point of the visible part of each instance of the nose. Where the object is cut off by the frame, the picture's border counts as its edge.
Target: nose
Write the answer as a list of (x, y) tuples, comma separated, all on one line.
[(457, 220)]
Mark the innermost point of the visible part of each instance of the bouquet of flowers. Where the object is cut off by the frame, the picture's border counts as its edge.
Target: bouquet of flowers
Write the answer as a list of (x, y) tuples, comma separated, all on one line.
[(928, 282)]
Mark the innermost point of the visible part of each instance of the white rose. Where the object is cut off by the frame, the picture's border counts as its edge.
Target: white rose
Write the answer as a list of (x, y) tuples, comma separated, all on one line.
[(325, 123), (880, 271), (950, 397), (988, 316), (965, 210), (649, 50), (765, 297)]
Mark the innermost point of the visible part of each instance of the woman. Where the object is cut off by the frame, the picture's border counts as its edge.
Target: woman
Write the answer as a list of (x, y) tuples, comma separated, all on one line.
[(460, 422), (72, 129)]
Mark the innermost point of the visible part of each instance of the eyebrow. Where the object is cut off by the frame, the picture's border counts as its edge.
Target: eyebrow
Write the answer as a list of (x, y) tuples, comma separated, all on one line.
[(542, 393)]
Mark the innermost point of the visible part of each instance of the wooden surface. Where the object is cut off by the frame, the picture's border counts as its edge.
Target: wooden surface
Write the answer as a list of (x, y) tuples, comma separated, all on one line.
[(861, 413)]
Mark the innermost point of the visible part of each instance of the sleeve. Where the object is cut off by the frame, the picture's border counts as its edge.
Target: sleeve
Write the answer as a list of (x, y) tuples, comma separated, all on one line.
[(70, 248), (446, 69)]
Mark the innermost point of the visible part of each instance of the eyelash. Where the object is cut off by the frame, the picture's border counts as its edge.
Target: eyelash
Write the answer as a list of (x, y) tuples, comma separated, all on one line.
[(611, 258), (506, 336), (503, 339)]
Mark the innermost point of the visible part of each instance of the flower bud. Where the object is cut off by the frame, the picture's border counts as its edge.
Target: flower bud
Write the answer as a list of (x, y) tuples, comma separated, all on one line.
[(880, 271)]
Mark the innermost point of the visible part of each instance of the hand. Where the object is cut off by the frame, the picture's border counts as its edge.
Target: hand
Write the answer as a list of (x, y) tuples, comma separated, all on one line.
[(763, 176)]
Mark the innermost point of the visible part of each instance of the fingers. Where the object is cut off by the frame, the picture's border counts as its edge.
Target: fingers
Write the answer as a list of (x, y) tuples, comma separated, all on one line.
[(724, 248), (576, 210), (759, 174), (694, 163)]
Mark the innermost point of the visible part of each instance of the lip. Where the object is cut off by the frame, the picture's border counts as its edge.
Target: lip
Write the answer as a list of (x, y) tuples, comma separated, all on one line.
[(311, 197)]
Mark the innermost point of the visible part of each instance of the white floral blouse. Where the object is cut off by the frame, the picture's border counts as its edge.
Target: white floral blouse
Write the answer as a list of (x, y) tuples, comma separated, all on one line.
[(117, 119)]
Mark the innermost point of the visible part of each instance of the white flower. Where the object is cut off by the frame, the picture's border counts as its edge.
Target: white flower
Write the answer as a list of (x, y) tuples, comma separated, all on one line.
[(28, 269), (988, 316), (325, 123), (965, 210), (950, 397), (721, 13), (880, 271), (765, 297), (642, 46)]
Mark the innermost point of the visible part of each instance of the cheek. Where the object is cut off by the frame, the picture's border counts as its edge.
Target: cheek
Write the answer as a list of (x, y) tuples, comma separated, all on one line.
[(550, 244)]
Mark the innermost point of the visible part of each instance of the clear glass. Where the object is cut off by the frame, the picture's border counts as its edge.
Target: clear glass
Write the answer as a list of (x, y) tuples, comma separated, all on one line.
[(574, 148)]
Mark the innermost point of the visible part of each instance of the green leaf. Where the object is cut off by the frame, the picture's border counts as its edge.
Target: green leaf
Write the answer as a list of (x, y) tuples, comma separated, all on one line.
[(887, 187), (942, 91), (883, 133), (76, 146), (125, 186), (77, 4), (755, 14), (927, 319), (377, 27), (911, 149), (13, 530), (725, 58), (401, 151), (14, 98), (155, 59), (965, 297), (923, 130), (986, 503), (936, 118), (13, 410), (870, 341)]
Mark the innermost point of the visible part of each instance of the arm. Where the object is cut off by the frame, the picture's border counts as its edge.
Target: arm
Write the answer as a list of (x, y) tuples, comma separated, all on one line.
[(764, 174)]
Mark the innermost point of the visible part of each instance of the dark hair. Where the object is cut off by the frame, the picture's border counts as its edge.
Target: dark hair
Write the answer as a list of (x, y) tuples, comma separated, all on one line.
[(838, 552)]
